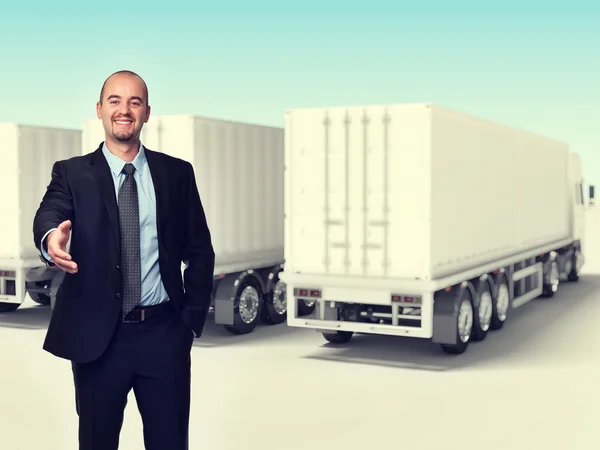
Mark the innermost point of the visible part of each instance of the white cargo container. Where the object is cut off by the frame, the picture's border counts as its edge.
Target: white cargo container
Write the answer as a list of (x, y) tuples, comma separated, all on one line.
[(239, 172), (417, 220), (28, 154)]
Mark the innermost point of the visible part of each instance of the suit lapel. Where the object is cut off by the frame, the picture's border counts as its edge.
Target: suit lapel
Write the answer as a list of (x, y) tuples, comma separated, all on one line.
[(160, 180), (101, 172)]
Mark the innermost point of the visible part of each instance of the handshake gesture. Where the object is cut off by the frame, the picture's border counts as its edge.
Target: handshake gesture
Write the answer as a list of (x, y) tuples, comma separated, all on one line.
[(57, 247)]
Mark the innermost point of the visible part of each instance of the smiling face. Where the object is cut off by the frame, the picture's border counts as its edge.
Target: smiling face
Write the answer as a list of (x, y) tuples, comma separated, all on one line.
[(123, 109)]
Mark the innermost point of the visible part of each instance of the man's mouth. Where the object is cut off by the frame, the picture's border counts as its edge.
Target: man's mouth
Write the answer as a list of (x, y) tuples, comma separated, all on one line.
[(123, 122)]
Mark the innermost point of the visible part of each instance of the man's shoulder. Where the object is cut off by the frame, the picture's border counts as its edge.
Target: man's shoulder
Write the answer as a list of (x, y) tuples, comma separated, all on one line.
[(75, 161), (171, 162)]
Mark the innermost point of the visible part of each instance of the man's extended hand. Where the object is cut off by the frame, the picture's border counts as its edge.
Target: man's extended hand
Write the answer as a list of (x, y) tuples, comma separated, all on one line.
[(57, 247)]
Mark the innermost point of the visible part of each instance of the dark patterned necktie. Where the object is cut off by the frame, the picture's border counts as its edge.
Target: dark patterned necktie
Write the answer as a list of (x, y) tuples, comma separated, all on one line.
[(130, 241)]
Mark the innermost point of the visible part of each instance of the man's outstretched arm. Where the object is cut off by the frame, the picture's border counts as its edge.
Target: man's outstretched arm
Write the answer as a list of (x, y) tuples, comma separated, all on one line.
[(56, 208)]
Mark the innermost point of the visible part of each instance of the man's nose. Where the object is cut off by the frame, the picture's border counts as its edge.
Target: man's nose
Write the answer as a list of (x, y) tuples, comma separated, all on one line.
[(124, 108)]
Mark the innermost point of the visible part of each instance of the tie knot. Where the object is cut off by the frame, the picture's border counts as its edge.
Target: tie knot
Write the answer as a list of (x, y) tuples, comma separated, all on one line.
[(128, 169)]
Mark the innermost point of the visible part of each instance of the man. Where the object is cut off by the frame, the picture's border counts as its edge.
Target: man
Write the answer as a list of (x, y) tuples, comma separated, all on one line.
[(123, 316)]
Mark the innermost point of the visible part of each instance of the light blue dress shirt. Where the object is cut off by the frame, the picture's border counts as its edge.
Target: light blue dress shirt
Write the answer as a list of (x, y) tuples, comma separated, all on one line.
[(153, 290)]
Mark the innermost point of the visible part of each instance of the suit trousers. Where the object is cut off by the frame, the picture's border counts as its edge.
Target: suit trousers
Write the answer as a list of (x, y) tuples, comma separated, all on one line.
[(151, 357)]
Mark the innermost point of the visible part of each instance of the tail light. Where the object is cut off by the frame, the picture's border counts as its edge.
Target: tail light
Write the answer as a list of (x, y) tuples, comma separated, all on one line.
[(406, 299), (307, 293)]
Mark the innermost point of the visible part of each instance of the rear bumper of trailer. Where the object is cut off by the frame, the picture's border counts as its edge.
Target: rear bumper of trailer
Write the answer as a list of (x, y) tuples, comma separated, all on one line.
[(396, 309)]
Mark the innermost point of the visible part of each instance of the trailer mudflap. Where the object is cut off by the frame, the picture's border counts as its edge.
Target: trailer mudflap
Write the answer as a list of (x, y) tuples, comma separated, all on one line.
[(224, 299)]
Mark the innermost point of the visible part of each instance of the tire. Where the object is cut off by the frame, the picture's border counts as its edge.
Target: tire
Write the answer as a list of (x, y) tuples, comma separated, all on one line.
[(465, 316), (305, 308), (41, 299), (339, 337), (246, 307), (577, 261), (483, 313), (500, 305), (551, 279), (275, 304)]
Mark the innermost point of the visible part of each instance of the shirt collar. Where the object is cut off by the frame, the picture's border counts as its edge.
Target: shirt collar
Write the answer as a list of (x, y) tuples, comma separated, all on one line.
[(116, 164)]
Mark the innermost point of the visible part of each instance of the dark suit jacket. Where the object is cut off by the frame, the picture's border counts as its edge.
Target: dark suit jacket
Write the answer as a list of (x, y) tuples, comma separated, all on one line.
[(88, 303)]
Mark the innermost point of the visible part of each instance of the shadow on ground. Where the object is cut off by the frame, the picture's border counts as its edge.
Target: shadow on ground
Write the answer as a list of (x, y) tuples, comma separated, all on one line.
[(29, 316), (215, 335)]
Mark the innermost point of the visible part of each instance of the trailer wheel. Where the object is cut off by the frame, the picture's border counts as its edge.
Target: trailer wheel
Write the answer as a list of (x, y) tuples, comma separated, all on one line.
[(551, 278), (576, 263), (500, 305), (306, 307), (41, 299), (275, 308), (339, 337), (464, 326), (246, 307), (8, 307), (483, 313)]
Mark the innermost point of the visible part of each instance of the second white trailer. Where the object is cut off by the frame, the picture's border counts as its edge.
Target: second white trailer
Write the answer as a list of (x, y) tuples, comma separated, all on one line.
[(239, 173), (421, 221), (27, 155)]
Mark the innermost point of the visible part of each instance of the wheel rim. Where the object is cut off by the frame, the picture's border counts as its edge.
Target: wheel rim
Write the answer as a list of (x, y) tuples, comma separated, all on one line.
[(554, 276), (249, 304), (465, 320), (309, 303), (280, 298), (502, 302), (485, 311)]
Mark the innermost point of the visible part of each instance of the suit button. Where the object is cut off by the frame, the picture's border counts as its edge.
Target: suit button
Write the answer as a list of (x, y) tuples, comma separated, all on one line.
[(118, 267), (118, 295)]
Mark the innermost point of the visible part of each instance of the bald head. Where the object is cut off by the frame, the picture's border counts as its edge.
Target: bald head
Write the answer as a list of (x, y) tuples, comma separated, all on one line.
[(124, 73), (123, 108)]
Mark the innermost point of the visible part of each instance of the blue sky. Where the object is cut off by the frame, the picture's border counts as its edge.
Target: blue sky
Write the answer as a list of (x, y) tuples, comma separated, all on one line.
[(533, 64)]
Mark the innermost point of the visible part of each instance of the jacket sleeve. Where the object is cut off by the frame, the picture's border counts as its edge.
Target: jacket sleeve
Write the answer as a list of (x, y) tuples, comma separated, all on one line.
[(56, 207), (199, 258)]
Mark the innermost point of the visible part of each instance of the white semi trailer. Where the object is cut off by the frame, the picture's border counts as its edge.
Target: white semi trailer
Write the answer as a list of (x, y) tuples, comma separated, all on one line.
[(239, 172), (27, 156), (416, 220)]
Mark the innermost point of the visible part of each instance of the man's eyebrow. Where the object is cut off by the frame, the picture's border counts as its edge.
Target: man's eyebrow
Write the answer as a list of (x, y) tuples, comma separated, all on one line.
[(118, 97)]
